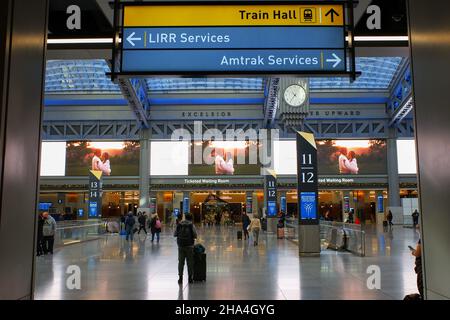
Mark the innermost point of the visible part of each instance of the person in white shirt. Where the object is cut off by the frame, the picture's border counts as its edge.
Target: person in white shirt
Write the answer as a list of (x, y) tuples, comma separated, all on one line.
[(343, 162), (222, 167), (106, 167), (352, 164), (96, 161)]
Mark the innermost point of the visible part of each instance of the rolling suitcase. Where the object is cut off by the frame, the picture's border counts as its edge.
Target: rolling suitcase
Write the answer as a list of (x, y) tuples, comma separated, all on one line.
[(199, 266), (239, 235)]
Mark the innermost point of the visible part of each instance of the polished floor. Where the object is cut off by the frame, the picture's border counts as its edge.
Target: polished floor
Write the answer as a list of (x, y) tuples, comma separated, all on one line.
[(112, 268)]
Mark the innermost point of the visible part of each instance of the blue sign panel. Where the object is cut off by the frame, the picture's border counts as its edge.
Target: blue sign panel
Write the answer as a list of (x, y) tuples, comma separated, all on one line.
[(93, 210), (185, 205), (283, 204), (308, 206), (233, 38), (233, 60), (380, 204), (271, 209)]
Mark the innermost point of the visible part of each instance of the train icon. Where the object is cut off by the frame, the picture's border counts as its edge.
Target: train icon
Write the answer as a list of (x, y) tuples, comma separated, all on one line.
[(308, 15)]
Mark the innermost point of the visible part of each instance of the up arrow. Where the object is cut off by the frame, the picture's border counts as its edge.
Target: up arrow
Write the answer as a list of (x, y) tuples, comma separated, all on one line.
[(336, 60), (332, 12), (130, 38)]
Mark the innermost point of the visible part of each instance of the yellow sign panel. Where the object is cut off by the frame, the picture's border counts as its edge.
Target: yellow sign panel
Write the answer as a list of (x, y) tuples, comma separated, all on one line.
[(233, 15)]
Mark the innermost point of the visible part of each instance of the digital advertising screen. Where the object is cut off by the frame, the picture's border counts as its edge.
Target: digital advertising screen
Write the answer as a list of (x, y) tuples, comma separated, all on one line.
[(336, 157), (352, 157), (224, 158), (113, 158)]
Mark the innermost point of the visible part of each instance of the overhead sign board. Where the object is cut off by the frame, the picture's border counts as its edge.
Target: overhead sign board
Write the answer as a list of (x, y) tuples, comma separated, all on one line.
[(234, 15), (209, 38)]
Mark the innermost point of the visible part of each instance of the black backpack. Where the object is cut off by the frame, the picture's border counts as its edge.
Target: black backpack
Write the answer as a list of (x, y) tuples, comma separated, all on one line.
[(185, 235)]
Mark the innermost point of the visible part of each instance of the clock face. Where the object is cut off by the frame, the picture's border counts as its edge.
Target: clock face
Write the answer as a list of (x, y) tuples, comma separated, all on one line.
[(295, 95)]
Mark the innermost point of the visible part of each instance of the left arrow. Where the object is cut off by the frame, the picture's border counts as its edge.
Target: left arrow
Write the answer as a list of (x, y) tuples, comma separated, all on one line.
[(130, 38)]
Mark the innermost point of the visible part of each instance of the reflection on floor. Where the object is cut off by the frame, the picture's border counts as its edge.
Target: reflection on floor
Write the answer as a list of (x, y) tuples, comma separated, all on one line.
[(112, 268)]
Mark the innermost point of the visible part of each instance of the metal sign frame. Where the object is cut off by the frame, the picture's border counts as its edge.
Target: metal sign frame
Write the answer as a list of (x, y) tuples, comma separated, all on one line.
[(348, 28)]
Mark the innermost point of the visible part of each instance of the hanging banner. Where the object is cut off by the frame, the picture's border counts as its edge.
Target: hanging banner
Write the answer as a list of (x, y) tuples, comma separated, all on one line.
[(95, 194), (307, 187), (271, 194)]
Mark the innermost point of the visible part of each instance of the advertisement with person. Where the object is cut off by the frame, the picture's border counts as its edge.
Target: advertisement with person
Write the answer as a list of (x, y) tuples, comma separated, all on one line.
[(352, 157), (210, 158), (113, 158)]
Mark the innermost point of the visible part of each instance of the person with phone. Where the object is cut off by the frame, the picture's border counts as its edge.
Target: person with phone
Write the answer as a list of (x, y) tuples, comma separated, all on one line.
[(417, 252)]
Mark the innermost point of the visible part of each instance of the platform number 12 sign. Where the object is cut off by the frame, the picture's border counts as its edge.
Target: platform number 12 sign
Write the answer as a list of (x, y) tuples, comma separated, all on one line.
[(307, 187)]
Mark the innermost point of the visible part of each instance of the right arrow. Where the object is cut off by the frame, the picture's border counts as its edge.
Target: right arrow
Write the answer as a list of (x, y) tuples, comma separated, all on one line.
[(332, 12), (130, 38), (336, 60)]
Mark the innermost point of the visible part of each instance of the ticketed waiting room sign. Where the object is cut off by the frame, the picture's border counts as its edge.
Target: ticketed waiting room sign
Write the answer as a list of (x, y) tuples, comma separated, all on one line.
[(171, 38)]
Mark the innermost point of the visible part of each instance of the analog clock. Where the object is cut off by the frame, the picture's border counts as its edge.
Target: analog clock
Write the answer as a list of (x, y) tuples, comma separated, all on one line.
[(295, 95)]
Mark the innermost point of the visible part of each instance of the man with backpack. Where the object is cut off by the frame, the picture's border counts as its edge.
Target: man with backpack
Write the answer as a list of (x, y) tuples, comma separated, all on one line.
[(186, 234), (129, 226)]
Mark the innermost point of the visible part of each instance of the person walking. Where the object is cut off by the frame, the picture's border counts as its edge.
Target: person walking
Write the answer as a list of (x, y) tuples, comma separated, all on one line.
[(186, 234), (40, 236), (415, 217), (129, 226), (142, 219), (156, 228), (255, 228), (48, 232), (389, 217), (245, 223)]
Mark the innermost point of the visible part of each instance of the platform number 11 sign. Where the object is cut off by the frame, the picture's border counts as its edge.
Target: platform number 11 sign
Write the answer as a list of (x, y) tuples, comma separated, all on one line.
[(307, 187), (271, 193)]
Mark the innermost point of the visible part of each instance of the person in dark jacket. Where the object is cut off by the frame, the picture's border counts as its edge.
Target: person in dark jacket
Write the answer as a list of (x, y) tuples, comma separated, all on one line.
[(40, 235), (245, 223), (186, 234), (129, 226), (142, 219), (415, 218), (389, 217)]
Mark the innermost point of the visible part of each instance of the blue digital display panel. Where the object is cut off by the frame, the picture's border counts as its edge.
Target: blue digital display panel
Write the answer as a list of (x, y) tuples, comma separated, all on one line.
[(271, 209), (44, 206), (308, 206), (185, 205), (233, 60), (283, 204), (380, 204), (80, 213), (93, 210), (233, 37)]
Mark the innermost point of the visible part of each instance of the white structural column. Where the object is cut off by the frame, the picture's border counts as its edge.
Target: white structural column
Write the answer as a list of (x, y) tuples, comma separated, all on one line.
[(393, 179), (430, 51), (144, 169)]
